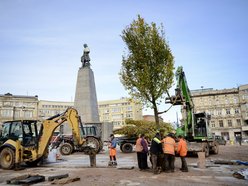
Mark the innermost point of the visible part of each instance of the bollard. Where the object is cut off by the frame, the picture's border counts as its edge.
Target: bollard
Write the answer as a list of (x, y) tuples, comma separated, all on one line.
[(201, 162)]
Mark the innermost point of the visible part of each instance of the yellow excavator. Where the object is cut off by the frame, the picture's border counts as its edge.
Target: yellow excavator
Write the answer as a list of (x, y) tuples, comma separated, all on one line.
[(27, 141)]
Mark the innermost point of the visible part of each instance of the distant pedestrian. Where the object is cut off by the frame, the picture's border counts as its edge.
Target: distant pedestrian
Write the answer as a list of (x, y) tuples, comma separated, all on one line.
[(169, 152), (142, 151), (112, 150), (155, 151), (182, 151)]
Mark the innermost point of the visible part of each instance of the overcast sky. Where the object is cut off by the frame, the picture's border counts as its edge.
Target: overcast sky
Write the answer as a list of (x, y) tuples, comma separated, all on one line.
[(41, 43)]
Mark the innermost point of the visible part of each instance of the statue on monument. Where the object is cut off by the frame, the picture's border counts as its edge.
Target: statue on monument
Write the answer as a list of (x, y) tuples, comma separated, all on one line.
[(85, 59)]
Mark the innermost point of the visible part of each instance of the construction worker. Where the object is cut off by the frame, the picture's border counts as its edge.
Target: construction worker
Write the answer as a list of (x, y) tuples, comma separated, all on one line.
[(142, 150), (182, 151), (169, 152), (155, 151), (112, 150)]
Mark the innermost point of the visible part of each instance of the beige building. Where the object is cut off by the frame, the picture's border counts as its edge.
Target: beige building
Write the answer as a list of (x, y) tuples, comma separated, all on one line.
[(13, 107), (117, 111), (51, 108), (17, 107), (228, 109)]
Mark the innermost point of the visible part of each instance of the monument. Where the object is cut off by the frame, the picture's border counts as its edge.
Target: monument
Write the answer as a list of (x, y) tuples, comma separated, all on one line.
[(85, 97)]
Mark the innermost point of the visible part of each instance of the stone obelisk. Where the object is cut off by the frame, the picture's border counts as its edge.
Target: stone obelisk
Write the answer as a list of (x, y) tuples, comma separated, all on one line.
[(85, 97)]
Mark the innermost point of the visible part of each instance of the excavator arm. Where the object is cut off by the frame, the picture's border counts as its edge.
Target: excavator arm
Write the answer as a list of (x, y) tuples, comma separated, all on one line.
[(49, 126), (183, 97)]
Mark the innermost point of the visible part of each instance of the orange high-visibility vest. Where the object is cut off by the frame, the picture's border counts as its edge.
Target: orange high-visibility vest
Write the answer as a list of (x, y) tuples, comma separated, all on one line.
[(182, 148), (169, 145), (138, 147)]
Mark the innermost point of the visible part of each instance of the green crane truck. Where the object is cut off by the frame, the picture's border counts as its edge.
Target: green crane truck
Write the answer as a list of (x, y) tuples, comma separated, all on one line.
[(195, 126)]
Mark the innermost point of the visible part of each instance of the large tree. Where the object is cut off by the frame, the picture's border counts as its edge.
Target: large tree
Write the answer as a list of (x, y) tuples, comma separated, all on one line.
[(147, 65)]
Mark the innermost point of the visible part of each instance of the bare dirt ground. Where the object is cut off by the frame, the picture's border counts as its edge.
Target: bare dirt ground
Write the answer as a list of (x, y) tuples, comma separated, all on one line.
[(77, 165)]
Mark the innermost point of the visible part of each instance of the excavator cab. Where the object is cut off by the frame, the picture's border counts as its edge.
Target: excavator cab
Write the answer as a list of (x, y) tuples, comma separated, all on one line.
[(23, 130)]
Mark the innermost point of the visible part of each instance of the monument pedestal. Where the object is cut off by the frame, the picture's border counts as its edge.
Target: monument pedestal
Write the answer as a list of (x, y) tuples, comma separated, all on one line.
[(85, 98)]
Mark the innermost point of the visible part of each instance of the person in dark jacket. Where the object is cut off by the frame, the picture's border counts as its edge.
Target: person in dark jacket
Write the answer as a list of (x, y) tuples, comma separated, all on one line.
[(155, 151)]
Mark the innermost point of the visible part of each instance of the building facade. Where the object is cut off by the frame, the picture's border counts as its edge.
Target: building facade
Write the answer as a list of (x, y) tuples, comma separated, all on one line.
[(228, 109), (18, 107), (117, 111), (47, 109), (14, 107)]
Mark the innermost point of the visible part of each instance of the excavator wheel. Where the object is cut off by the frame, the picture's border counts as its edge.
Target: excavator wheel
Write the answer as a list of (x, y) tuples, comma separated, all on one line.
[(7, 160), (66, 149)]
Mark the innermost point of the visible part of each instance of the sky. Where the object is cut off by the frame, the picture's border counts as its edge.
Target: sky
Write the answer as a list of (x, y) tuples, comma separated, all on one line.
[(41, 43)]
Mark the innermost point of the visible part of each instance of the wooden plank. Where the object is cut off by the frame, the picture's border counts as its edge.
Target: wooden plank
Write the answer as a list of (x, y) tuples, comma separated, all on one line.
[(51, 178)]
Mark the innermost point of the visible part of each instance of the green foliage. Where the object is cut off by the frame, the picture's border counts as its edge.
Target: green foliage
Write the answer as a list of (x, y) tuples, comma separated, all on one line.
[(149, 128), (147, 68)]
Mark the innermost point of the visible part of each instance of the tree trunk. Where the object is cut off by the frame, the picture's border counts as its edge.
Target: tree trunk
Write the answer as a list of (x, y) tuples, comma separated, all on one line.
[(155, 109)]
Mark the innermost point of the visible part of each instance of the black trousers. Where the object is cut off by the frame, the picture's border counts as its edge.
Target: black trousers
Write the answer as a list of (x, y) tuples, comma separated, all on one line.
[(169, 162), (142, 160), (184, 164)]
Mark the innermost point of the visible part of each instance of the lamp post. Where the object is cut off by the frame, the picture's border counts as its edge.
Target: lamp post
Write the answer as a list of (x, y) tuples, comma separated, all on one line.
[(14, 109)]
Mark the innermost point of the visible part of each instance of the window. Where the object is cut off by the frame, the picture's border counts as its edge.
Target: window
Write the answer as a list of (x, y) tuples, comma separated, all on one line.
[(106, 111), (129, 115), (235, 100), (7, 113), (236, 110), (212, 112), (17, 114), (28, 114), (129, 108), (219, 112), (228, 111), (116, 110), (115, 117), (7, 103), (221, 123), (213, 124), (229, 122), (238, 121)]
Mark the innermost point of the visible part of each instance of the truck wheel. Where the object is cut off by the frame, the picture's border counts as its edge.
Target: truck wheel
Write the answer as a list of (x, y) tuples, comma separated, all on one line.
[(93, 143), (206, 150), (215, 148), (127, 148), (66, 149), (121, 147), (7, 160)]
